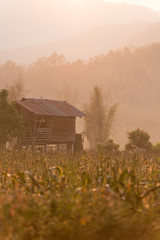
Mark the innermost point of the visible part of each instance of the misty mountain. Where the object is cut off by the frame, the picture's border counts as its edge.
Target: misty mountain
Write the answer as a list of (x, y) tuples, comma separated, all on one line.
[(149, 35), (99, 40), (75, 30), (80, 46)]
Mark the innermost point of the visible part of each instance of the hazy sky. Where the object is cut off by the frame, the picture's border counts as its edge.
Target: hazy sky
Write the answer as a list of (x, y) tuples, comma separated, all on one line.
[(154, 4), (28, 22)]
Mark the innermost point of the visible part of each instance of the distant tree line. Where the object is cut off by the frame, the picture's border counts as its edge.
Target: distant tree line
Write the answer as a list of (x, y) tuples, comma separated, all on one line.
[(131, 76)]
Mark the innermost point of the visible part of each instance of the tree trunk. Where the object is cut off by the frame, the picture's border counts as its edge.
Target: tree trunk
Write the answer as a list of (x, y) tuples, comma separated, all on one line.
[(2, 146)]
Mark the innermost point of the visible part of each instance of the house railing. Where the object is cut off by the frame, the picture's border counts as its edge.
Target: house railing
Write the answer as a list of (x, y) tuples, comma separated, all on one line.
[(41, 135)]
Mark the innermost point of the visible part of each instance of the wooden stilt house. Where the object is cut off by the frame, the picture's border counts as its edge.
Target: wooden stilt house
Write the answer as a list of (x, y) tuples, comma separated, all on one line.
[(49, 122)]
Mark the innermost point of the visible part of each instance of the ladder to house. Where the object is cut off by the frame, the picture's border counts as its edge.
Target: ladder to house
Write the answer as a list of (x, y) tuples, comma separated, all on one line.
[(42, 136)]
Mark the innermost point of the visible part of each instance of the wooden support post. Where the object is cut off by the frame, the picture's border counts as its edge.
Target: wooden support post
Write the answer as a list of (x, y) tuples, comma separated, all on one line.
[(72, 147), (45, 148)]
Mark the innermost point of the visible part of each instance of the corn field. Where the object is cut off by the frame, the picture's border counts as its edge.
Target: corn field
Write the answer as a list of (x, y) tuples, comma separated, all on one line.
[(73, 197)]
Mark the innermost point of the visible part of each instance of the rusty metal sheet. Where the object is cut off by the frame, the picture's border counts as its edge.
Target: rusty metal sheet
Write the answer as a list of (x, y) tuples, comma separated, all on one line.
[(48, 107)]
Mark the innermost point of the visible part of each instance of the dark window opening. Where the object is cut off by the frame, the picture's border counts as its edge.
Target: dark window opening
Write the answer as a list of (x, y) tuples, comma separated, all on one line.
[(42, 123)]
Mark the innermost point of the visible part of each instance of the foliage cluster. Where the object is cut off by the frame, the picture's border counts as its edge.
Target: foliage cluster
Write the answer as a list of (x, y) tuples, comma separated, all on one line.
[(108, 147), (139, 140), (11, 124), (79, 197)]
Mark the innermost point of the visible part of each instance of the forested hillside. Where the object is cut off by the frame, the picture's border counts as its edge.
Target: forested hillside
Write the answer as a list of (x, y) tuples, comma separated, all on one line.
[(129, 78)]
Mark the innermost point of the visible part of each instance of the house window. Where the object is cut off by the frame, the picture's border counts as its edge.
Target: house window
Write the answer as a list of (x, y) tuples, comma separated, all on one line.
[(41, 123)]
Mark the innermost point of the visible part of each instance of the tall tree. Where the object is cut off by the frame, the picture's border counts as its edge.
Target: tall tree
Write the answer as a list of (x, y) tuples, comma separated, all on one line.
[(99, 119), (11, 124)]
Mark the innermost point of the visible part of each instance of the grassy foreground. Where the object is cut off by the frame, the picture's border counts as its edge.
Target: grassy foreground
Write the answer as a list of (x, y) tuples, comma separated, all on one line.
[(89, 196)]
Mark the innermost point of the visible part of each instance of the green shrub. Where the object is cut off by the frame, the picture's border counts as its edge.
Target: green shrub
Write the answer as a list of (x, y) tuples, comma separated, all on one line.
[(138, 139), (109, 147)]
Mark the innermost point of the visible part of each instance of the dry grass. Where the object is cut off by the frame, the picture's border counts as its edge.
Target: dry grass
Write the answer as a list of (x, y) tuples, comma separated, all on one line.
[(89, 196)]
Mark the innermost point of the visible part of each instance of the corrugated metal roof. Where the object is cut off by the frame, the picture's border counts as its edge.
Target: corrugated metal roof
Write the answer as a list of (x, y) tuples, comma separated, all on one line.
[(50, 107)]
